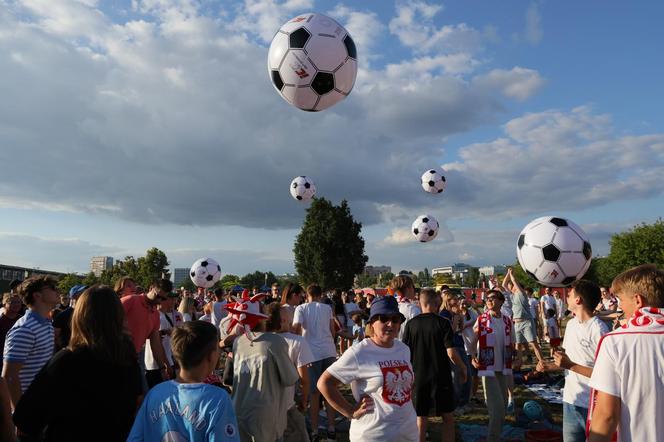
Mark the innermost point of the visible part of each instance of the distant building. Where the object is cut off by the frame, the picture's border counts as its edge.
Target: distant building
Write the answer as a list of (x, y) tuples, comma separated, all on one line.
[(9, 273), (377, 270), (493, 270), (457, 270), (100, 263), (180, 275)]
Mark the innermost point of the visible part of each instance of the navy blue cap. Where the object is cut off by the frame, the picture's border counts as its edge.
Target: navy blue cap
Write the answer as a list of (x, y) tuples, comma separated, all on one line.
[(385, 305), (77, 290)]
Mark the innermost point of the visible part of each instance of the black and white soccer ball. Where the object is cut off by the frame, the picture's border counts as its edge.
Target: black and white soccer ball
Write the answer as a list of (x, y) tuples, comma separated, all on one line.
[(205, 272), (554, 251), (312, 62), (302, 188), (425, 228), (433, 181)]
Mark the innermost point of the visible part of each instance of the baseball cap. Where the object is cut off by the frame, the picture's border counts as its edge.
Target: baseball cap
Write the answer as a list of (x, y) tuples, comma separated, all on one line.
[(77, 290), (385, 305)]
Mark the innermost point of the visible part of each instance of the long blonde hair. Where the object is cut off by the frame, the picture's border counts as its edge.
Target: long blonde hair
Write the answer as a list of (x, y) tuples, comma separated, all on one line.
[(187, 305)]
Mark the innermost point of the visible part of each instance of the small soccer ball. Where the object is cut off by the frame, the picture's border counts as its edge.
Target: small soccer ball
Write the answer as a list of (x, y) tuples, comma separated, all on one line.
[(302, 188), (433, 181), (554, 251), (205, 272), (425, 228), (533, 410), (312, 62)]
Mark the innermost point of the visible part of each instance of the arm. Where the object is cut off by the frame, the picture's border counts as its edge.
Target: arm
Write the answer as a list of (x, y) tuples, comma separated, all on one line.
[(516, 287), (10, 372), (332, 331), (454, 356), (605, 417), (5, 413), (297, 329), (329, 388), (159, 354)]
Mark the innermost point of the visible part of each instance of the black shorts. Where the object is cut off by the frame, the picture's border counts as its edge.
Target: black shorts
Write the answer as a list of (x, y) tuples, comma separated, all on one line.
[(433, 398)]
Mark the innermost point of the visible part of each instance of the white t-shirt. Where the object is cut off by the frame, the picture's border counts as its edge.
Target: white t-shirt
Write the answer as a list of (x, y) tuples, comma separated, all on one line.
[(300, 353), (506, 308), (164, 325), (533, 303), (560, 307), (549, 303), (580, 344), (629, 366), (468, 335), (386, 375), (218, 312), (409, 310), (315, 317)]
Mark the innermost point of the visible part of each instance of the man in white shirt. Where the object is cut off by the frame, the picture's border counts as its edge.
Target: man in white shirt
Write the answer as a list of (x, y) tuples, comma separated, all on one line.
[(627, 381), (404, 290), (314, 322), (547, 301), (561, 307), (169, 318), (582, 336), (218, 310)]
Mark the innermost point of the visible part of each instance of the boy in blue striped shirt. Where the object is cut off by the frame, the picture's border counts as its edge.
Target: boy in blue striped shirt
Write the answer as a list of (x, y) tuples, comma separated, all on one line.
[(30, 342)]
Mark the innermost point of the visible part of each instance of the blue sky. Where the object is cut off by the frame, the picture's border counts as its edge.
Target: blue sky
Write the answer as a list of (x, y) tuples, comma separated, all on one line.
[(127, 125)]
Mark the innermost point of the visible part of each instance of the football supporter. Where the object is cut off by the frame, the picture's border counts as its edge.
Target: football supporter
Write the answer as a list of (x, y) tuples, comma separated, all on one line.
[(187, 309), (262, 373), (431, 342), (279, 321), (89, 390), (404, 290), (31, 340), (11, 312), (315, 323), (627, 381), (494, 361), (169, 318), (291, 297), (451, 312), (524, 335), (547, 301), (577, 357), (187, 409), (380, 371), (62, 322), (143, 323), (218, 311), (125, 286)]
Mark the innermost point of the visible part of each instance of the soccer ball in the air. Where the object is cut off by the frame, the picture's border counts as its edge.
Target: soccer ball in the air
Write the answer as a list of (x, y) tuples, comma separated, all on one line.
[(302, 188), (555, 251), (433, 182), (312, 62), (425, 228), (205, 272)]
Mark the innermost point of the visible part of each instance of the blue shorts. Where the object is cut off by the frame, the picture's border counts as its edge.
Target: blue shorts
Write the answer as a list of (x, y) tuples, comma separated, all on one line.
[(316, 369)]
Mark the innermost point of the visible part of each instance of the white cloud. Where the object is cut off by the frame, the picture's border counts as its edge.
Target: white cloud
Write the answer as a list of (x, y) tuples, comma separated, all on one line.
[(533, 33), (265, 17), (517, 83), (364, 26), (399, 237)]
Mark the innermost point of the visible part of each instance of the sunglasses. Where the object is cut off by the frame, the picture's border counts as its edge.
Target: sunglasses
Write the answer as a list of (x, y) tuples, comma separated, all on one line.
[(387, 318), (493, 298)]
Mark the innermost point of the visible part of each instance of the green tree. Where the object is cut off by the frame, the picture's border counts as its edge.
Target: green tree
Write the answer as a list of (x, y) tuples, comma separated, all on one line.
[(90, 279), (228, 281), (364, 280), (524, 279), (152, 266), (329, 249), (258, 279), (68, 281), (122, 267), (384, 279), (443, 279), (643, 244), (473, 277)]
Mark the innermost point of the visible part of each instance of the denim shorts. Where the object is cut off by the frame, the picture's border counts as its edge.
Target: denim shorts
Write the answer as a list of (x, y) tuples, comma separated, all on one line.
[(316, 369), (574, 423)]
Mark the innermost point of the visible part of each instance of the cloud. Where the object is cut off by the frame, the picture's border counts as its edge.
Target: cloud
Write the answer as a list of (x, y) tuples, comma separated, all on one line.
[(401, 236), (533, 32), (264, 17), (170, 118), (365, 27), (517, 83)]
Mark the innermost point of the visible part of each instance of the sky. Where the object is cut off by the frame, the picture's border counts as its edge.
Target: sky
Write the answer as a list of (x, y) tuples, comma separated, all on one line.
[(126, 125)]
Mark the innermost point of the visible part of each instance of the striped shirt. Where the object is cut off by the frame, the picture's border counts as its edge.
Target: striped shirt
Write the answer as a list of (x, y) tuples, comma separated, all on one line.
[(30, 342)]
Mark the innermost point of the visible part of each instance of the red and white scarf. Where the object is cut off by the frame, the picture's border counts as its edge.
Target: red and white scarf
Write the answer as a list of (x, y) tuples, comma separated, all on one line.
[(486, 354), (646, 320)]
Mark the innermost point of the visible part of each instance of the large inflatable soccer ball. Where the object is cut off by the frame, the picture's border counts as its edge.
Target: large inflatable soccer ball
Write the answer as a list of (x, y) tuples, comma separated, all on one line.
[(205, 272), (312, 62), (433, 181), (425, 228), (302, 188), (554, 251)]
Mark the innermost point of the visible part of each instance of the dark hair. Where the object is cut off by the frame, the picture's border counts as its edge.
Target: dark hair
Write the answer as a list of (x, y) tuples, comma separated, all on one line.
[(314, 291), (498, 294), (550, 313), (646, 280), (35, 284), (98, 324), (401, 282), (273, 322), (192, 342), (163, 284), (429, 296), (589, 293), (219, 293), (290, 290)]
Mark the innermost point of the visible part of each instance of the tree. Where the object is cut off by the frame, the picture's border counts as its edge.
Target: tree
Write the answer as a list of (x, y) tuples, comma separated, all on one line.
[(153, 266), (68, 281), (384, 279), (443, 279), (228, 281), (329, 249), (258, 279), (473, 277), (90, 279), (365, 280), (521, 276)]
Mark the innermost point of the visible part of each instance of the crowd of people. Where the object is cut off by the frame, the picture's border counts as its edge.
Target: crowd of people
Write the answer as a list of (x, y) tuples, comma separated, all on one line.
[(123, 363)]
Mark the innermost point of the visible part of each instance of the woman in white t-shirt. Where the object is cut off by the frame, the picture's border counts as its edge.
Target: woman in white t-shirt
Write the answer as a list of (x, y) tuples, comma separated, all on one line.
[(381, 378), (188, 309)]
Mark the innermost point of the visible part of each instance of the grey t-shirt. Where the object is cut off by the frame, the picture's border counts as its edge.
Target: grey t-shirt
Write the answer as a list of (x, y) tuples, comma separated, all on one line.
[(520, 306)]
